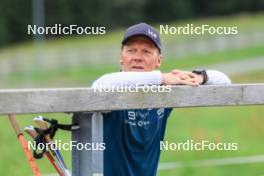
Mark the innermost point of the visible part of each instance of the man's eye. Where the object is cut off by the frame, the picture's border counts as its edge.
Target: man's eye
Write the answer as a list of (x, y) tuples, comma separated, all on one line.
[(146, 51)]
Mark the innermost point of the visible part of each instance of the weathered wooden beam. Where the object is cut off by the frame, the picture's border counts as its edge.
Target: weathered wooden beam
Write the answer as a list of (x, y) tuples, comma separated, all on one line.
[(20, 101)]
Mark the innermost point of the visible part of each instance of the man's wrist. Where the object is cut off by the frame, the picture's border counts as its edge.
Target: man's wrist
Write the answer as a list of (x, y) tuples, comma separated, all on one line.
[(201, 78)]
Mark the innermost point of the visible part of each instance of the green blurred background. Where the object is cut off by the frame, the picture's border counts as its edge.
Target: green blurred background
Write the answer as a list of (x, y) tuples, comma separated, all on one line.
[(75, 61)]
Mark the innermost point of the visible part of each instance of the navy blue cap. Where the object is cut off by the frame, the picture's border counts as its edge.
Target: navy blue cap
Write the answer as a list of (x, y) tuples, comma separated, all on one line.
[(143, 29)]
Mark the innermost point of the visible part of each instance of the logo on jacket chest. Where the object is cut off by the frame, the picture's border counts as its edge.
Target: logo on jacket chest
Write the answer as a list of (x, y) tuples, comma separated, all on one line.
[(143, 118)]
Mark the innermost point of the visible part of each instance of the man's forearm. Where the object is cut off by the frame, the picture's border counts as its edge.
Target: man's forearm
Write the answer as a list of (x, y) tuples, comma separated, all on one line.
[(157, 78)]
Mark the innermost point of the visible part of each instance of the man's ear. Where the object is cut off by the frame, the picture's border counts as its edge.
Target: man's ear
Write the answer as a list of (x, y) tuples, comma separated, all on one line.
[(120, 59), (159, 61)]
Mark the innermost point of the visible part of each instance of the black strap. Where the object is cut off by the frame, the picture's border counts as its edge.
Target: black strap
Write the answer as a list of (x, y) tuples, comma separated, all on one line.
[(39, 140), (51, 131), (54, 126)]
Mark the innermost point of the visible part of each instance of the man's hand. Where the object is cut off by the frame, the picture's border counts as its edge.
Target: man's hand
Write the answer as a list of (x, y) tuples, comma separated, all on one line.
[(186, 75), (179, 77), (176, 79)]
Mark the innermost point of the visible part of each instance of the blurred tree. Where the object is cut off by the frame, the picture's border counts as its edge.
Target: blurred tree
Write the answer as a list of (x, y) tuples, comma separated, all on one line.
[(126, 12), (217, 7), (15, 15), (60, 12), (167, 10)]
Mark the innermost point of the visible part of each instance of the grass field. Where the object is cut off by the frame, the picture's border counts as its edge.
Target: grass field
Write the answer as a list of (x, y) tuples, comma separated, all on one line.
[(84, 75), (243, 125)]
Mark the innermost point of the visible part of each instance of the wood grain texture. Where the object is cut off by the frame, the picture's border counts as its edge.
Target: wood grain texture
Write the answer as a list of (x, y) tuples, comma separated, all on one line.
[(20, 101)]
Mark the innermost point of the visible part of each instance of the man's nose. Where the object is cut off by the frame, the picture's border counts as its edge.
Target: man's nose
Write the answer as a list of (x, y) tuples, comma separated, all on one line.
[(137, 57)]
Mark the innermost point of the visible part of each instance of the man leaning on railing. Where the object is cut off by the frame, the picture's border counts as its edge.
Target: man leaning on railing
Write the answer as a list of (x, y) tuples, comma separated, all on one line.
[(132, 137)]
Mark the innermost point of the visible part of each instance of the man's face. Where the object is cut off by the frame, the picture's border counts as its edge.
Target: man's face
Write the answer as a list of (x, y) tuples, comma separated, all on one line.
[(140, 54)]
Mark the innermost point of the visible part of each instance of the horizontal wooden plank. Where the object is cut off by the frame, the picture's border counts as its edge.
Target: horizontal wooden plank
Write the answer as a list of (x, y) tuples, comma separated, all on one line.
[(22, 101)]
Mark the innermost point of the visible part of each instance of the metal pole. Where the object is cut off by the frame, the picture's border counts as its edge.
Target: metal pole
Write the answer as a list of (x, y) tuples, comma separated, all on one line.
[(87, 162), (38, 17)]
